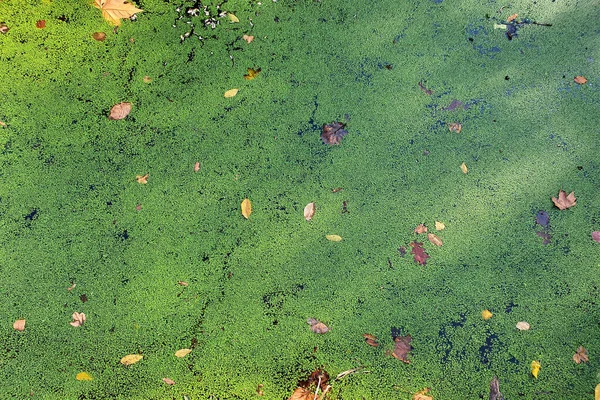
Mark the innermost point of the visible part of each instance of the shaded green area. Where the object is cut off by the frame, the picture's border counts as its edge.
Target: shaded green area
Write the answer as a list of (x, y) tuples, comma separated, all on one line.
[(68, 198)]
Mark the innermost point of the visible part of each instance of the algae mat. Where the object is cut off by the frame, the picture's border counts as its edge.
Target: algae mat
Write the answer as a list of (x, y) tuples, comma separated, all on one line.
[(172, 264)]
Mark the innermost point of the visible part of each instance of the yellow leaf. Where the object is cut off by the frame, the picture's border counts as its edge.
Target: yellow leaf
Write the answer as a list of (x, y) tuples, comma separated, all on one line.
[(434, 239), (252, 73), (464, 168), (246, 208), (83, 376), (334, 238), (439, 226), (486, 314), (131, 359), (597, 392), (535, 368), (114, 10), (233, 18), (182, 352), (231, 93)]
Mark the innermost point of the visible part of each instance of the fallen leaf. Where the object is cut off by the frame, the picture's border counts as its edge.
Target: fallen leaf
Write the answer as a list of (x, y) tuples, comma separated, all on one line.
[(463, 168), (248, 38), (19, 325), (486, 314), (246, 208), (495, 390), (168, 381), (402, 347), (3, 124), (597, 392), (143, 179), (333, 238), (230, 93), (146, 79), (99, 36), (512, 17), (41, 24), (535, 368), (119, 111), (71, 287), (418, 252), (83, 376), (596, 236), (131, 359), (196, 167), (563, 202), (523, 326), (182, 352), (309, 211), (439, 226), (371, 340), (581, 355), (78, 319), (252, 73), (232, 18), (421, 228), (183, 283), (455, 127), (434, 239), (114, 10), (422, 395), (302, 394), (333, 133), (580, 79), (317, 326)]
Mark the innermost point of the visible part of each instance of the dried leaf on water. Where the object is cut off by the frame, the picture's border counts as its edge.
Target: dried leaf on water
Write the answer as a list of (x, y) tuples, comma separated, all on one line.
[(83, 376), (402, 347), (422, 395), (114, 10), (182, 352), (597, 392), (434, 239), (463, 168), (232, 18), (371, 340), (197, 166), (580, 80), (317, 326), (248, 38), (143, 179), (581, 355), (246, 208), (131, 359), (333, 238), (99, 36), (78, 319), (421, 228), (19, 325), (119, 111), (455, 127), (486, 314), (495, 390), (252, 73), (231, 93), (418, 252), (523, 326), (596, 236), (168, 381), (309, 211), (564, 201), (535, 368), (439, 226)]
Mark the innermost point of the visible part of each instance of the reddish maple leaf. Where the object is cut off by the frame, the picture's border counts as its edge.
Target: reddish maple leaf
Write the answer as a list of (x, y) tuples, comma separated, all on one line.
[(419, 252), (564, 201), (402, 347)]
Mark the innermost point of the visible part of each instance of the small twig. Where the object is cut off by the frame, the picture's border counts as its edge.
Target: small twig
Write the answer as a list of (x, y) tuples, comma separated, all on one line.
[(317, 389)]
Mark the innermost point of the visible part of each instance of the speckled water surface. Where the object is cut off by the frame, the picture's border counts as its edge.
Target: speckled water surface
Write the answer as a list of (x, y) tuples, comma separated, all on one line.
[(173, 264)]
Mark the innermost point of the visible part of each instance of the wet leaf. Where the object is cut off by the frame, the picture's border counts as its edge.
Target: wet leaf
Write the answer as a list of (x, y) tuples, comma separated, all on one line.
[(523, 326), (581, 355), (41, 24), (131, 359), (114, 10), (333, 133), (309, 211), (182, 352), (564, 201), (83, 376), (119, 111), (421, 228), (418, 252), (439, 226), (542, 218), (434, 239), (596, 236), (231, 93), (246, 208), (168, 381), (535, 368), (402, 347), (99, 36), (333, 238), (463, 168), (580, 80), (486, 314), (19, 325), (252, 73)]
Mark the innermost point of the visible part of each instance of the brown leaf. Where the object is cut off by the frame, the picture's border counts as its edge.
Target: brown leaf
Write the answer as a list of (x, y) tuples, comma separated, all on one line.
[(246, 208), (143, 179), (41, 24), (168, 381), (19, 325), (495, 390), (333, 133), (114, 10), (248, 38), (402, 347), (99, 36), (196, 167), (580, 80), (78, 319), (371, 340), (512, 17), (302, 394), (309, 211), (119, 111), (434, 239), (252, 73), (455, 127), (131, 359), (581, 355), (563, 202), (421, 228), (422, 395)]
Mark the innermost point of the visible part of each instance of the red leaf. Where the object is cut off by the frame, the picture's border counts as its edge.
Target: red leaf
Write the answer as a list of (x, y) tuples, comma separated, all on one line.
[(419, 252), (402, 347)]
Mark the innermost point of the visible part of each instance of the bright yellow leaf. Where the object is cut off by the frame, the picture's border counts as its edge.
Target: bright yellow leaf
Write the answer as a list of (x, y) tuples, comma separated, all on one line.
[(439, 226), (182, 352), (83, 376), (114, 10), (597, 392), (334, 238), (231, 93), (486, 314), (233, 18), (246, 208), (131, 359), (535, 368), (463, 168)]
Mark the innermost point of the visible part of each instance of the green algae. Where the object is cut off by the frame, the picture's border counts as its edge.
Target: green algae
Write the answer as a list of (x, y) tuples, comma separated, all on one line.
[(68, 200)]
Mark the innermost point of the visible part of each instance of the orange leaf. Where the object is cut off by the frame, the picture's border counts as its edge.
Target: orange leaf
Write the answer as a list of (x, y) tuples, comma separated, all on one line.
[(563, 202), (309, 211), (131, 359), (114, 10), (83, 376), (580, 79), (246, 208), (486, 314), (512, 17), (19, 325), (597, 392), (455, 127), (434, 239), (119, 111)]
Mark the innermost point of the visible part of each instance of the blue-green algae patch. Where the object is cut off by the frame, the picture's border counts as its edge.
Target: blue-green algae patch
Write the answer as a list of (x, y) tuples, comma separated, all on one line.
[(173, 264)]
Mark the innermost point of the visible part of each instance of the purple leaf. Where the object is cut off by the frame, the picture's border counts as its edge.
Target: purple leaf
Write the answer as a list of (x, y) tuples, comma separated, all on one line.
[(596, 236), (542, 218)]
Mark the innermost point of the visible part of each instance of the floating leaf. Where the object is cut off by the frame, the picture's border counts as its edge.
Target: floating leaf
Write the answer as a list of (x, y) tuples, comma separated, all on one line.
[(422, 395), (486, 314), (439, 226), (119, 111), (196, 166), (230, 93), (535, 368), (248, 38), (252, 73), (83, 376), (168, 381), (421, 228), (597, 392), (463, 168), (114, 10), (131, 359), (523, 326), (455, 127), (334, 238), (564, 201), (495, 390), (371, 340), (19, 325), (434, 239), (581, 355), (309, 211), (580, 80), (182, 353), (99, 36), (512, 17), (596, 236), (246, 208), (402, 347), (418, 252), (78, 319), (143, 179), (333, 133), (232, 18)]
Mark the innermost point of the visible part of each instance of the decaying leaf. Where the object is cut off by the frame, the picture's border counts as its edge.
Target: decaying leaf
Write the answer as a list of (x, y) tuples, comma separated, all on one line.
[(333, 238), (318, 380), (418, 252), (596, 236), (580, 80), (143, 179), (434, 239), (119, 111), (535, 368), (463, 168), (564, 201), (581, 355), (402, 347), (422, 395), (114, 10), (168, 381), (309, 211), (248, 38), (230, 93), (246, 208), (83, 376), (252, 73), (78, 319), (99, 36), (317, 326), (523, 326), (182, 353), (455, 127), (302, 394), (19, 325), (439, 226), (421, 228), (333, 133), (131, 359), (495, 390), (371, 340), (486, 314)]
